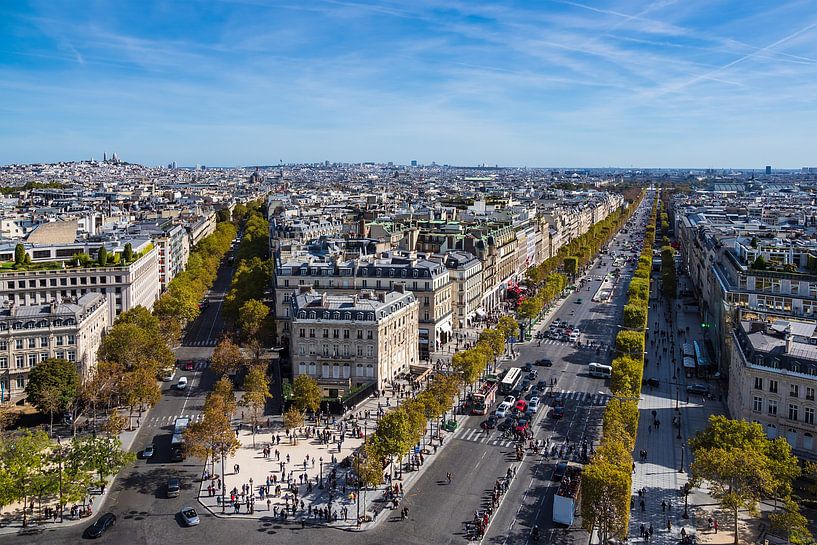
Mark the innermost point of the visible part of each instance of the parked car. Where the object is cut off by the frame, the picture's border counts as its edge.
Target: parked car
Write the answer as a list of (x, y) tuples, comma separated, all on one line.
[(174, 487), (541, 385), (189, 516), (188, 365), (521, 425), (557, 412), (532, 375), (502, 410), (521, 406), (507, 424), (182, 384), (510, 400), (559, 471), (525, 386), (544, 362), (101, 525), (698, 389), (528, 367), (147, 452), (652, 381)]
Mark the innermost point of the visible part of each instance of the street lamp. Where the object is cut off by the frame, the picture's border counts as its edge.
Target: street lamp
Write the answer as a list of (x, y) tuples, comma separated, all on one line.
[(683, 453), (321, 482)]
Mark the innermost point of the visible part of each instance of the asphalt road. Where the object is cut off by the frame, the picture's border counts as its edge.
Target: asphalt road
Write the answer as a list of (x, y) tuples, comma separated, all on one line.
[(438, 510), (207, 328)]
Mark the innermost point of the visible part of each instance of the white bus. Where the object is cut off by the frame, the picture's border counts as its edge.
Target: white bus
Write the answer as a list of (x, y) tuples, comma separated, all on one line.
[(600, 370), (510, 380)]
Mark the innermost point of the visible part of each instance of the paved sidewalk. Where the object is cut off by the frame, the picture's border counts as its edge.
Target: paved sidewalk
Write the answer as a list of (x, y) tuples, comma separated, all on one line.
[(666, 467)]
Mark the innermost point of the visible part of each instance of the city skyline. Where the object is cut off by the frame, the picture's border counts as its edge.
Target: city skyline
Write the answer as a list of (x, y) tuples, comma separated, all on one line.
[(641, 84)]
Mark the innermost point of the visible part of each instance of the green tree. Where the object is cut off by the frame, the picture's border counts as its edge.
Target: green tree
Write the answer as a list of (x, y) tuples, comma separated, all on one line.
[(140, 389), (626, 377), (605, 499), (791, 523), (306, 394), (251, 316), (571, 265), (53, 385), (759, 264), (508, 326), (529, 308), (741, 464), (369, 466), (222, 398), (631, 343), (494, 340), (211, 437), (393, 435), (226, 358), (102, 455), (24, 458), (127, 253), (19, 255), (256, 394), (293, 418), (102, 256), (635, 316)]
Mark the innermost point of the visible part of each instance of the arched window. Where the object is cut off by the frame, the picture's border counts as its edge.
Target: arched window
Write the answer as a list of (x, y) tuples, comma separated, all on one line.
[(371, 316), (58, 322), (336, 315), (347, 316), (311, 315), (791, 437), (30, 325), (771, 431), (42, 323), (302, 314), (808, 441)]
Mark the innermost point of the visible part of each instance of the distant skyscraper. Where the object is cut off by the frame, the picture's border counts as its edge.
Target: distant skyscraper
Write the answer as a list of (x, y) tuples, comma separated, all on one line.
[(768, 169), (414, 163)]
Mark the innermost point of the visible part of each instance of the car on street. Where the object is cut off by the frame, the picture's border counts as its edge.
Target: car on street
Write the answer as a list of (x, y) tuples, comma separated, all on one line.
[(510, 400), (652, 381), (544, 362), (502, 410), (528, 367), (532, 375), (533, 405), (182, 384), (173, 488), (148, 451), (559, 401), (188, 365), (521, 425), (559, 471), (189, 516), (541, 385), (698, 389), (521, 406), (525, 386), (489, 423), (579, 301), (507, 424), (101, 525), (557, 412)]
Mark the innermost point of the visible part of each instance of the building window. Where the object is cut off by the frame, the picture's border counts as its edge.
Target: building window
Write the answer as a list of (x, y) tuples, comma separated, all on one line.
[(60, 340), (773, 386), (32, 343), (345, 333), (757, 404), (312, 332), (359, 350), (336, 333), (325, 333), (810, 394), (302, 352), (808, 415), (32, 360), (72, 356), (758, 383), (794, 390), (43, 342), (369, 335), (302, 333), (72, 339), (18, 344), (21, 382), (771, 406), (370, 351), (792, 412), (4, 345), (4, 362), (359, 334), (43, 356)]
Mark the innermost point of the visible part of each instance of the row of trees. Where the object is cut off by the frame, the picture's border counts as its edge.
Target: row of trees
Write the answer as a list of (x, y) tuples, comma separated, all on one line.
[(404, 427), (544, 282), (179, 304), (35, 468), (607, 479)]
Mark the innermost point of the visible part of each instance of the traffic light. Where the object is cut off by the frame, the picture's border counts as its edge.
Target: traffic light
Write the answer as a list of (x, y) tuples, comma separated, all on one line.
[(705, 325)]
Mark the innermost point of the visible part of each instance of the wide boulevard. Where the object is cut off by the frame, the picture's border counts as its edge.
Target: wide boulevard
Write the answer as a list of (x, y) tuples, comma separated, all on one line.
[(438, 510)]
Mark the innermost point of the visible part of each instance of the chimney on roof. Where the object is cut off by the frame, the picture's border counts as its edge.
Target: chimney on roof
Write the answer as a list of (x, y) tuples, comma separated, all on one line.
[(789, 339), (400, 287), (303, 288), (381, 296)]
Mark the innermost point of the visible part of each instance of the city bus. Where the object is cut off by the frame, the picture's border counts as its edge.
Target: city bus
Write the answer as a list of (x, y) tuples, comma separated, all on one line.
[(177, 453), (599, 370), (510, 380), (484, 398)]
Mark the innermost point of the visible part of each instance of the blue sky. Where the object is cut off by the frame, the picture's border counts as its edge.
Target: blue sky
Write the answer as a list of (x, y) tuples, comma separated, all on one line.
[(699, 83)]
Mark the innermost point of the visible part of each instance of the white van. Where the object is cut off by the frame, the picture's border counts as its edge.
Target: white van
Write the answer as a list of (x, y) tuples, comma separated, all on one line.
[(502, 410), (600, 370), (182, 384)]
